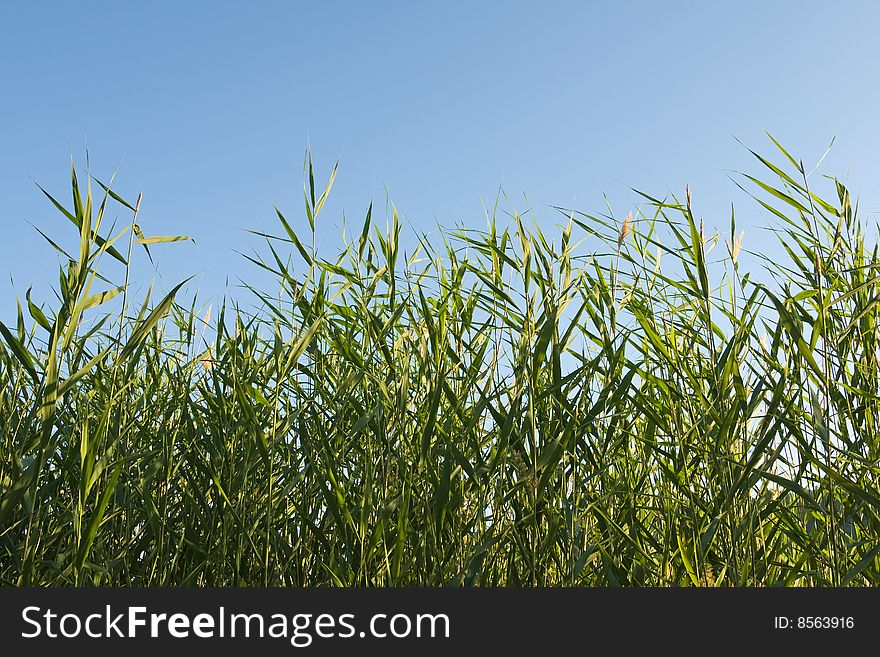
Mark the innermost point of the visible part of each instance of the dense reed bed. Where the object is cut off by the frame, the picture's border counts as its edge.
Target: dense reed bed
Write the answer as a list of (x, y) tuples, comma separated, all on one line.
[(617, 402)]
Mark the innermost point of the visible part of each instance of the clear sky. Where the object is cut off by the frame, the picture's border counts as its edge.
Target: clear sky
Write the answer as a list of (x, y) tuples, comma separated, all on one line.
[(207, 108)]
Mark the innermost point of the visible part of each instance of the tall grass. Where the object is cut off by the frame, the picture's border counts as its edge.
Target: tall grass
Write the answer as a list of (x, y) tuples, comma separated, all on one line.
[(618, 403)]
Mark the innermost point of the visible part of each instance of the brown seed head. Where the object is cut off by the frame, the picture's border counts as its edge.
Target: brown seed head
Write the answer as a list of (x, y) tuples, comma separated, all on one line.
[(734, 248), (625, 230)]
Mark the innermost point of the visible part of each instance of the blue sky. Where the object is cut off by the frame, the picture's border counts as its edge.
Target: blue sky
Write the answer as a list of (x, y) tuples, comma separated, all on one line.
[(207, 108)]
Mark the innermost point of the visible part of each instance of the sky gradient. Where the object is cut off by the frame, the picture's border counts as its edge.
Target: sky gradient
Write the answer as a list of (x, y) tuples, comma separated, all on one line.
[(207, 108)]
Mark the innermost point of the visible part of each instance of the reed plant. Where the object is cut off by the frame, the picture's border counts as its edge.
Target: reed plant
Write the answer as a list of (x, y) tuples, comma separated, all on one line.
[(613, 402)]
